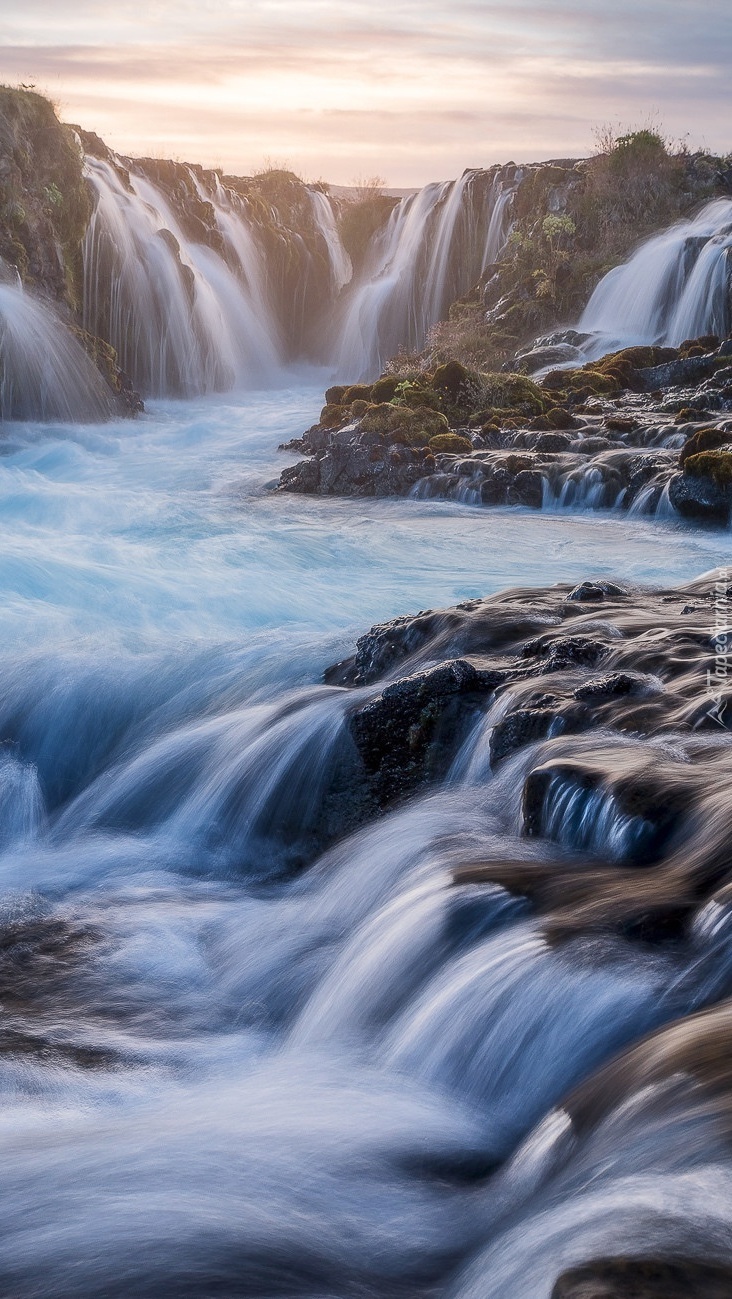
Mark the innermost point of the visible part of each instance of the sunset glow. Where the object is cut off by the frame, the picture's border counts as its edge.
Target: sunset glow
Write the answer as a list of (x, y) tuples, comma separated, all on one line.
[(407, 90)]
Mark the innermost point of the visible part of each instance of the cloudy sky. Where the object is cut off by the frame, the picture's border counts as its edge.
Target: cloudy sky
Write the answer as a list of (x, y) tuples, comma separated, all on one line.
[(412, 90)]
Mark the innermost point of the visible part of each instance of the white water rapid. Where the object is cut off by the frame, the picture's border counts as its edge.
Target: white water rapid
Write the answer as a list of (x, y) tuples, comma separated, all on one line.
[(237, 1060)]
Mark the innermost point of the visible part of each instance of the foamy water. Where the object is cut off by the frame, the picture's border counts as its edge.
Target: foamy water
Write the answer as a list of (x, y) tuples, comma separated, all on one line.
[(233, 1079)]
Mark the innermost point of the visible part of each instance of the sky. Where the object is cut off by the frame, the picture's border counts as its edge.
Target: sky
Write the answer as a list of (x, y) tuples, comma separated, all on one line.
[(409, 90)]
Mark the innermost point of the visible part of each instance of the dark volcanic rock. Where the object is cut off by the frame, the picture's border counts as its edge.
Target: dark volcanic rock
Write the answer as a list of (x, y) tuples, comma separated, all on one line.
[(677, 374), (410, 732), (520, 727), (566, 652), (700, 498), (591, 591), (358, 468)]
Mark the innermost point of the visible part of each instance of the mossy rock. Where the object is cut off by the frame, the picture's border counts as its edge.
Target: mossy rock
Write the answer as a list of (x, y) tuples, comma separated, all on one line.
[(592, 381), (334, 396), (415, 391), (357, 392), (515, 392), (451, 442), (415, 426), (698, 346), (556, 380), (384, 388), (639, 358), (705, 439), (332, 415), (455, 381), (560, 419), (359, 407), (716, 465)]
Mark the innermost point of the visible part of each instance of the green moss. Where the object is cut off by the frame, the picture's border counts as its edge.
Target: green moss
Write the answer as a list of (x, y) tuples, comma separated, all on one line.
[(705, 439), (416, 426), (334, 395), (640, 358), (451, 442), (591, 382), (356, 392), (559, 419), (515, 392), (384, 388), (716, 465), (332, 415), (453, 379)]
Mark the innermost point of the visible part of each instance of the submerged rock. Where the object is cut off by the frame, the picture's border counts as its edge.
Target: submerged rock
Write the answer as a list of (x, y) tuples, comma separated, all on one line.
[(645, 1278)]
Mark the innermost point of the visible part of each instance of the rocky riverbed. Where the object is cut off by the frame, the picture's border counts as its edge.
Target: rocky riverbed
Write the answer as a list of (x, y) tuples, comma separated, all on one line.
[(644, 428), (619, 670)]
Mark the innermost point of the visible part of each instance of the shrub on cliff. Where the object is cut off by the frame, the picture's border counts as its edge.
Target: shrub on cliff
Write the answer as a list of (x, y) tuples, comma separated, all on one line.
[(360, 220)]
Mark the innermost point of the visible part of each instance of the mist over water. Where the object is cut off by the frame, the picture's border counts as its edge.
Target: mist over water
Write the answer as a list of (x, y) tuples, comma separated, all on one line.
[(223, 1074)]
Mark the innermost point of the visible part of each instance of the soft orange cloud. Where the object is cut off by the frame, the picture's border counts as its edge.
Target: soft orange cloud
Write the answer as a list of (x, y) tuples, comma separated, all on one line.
[(403, 89)]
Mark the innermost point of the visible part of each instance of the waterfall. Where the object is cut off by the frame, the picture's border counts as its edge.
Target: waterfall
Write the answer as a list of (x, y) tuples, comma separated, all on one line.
[(182, 319), (45, 373), (676, 286), (341, 269), (202, 286), (433, 249)]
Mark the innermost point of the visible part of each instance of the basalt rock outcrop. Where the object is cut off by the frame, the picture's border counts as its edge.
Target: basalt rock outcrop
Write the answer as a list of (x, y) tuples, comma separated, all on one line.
[(609, 703), (603, 435)]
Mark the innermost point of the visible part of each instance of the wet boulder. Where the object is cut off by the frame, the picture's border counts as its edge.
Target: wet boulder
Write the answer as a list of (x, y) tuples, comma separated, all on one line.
[(566, 652), (409, 733), (593, 591), (698, 495), (526, 489), (522, 726), (678, 373)]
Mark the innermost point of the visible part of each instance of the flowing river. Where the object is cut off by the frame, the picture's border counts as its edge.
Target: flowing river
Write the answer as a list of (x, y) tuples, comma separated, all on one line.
[(222, 1075)]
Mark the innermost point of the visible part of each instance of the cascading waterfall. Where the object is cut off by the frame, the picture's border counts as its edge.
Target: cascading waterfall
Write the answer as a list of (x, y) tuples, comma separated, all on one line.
[(45, 373), (433, 249), (188, 318), (196, 306), (181, 320), (677, 286), (341, 269)]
